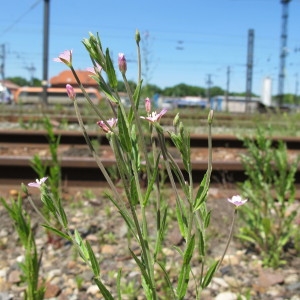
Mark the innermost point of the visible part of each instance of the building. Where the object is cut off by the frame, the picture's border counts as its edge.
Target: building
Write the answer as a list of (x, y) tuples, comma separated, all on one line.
[(67, 77)]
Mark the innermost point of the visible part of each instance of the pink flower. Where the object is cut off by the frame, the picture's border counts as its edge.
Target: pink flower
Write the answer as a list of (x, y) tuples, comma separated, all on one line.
[(71, 92), (65, 57), (237, 200), (38, 182), (95, 70), (154, 116), (111, 122), (122, 63), (148, 105)]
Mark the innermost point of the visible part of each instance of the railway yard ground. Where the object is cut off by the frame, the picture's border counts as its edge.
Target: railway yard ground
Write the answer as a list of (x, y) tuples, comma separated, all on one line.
[(93, 215)]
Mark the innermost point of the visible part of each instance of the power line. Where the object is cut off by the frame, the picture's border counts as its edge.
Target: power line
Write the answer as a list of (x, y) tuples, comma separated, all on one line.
[(21, 17)]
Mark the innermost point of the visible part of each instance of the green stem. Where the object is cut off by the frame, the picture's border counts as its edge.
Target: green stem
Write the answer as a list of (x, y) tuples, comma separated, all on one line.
[(96, 157), (229, 238)]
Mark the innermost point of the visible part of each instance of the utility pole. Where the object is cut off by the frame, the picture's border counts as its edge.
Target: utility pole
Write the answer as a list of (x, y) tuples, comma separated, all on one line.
[(227, 87), (283, 51), (249, 69), (2, 66), (45, 52), (209, 83)]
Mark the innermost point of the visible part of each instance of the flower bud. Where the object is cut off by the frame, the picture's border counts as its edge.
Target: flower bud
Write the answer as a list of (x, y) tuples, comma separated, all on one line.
[(122, 63), (70, 91), (210, 117), (137, 37), (176, 120), (148, 105)]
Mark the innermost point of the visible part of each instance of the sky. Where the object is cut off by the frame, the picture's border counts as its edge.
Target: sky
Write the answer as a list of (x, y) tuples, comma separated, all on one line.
[(187, 42)]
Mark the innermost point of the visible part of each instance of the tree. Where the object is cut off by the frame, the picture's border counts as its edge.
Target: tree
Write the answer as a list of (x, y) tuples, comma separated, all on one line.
[(21, 81)]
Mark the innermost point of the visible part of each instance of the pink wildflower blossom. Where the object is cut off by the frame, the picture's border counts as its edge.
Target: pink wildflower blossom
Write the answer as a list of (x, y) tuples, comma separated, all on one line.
[(111, 122), (38, 182), (71, 92), (154, 116), (94, 70), (65, 57), (237, 200), (122, 63)]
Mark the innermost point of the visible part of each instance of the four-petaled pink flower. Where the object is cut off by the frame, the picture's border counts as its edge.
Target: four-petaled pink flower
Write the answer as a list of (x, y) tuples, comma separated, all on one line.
[(122, 63), (237, 200), (154, 116), (71, 92), (111, 122), (38, 182), (65, 57), (96, 69)]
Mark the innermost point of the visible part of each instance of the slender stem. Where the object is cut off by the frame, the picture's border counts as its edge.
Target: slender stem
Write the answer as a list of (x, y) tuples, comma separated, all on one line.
[(229, 238), (139, 126), (98, 161)]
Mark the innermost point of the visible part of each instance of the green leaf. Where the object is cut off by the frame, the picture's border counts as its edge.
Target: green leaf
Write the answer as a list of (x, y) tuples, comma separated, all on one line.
[(124, 135), (188, 254), (119, 285), (93, 260), (151, 182), (181, 219), (58, 232), (202, 192), (207, 219), (183, 281), (142, 268), (111, 74), (201, 243), (167, 278), (62, 213), (134, 199), (209, 275), (104, 291)]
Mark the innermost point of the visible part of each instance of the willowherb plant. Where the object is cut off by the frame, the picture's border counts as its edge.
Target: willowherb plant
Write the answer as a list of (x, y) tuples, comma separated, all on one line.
[(31, 265), (270, 188), (139, 146)]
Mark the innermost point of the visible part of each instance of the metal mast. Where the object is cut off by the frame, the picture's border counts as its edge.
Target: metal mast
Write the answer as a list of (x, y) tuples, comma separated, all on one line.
[(249, 68), (45, 51), (283, 51)]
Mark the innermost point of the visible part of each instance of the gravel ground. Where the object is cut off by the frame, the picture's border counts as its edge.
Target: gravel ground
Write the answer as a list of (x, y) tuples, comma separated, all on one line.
[(91, 213)]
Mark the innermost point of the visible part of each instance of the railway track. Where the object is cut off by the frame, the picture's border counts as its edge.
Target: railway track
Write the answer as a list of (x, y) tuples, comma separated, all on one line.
[(17, 148)]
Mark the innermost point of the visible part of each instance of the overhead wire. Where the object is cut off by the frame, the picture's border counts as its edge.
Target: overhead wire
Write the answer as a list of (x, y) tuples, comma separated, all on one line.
[(20, 17)]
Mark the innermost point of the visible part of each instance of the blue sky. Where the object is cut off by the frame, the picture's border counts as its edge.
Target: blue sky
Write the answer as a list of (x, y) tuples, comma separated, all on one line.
[(187, 40)]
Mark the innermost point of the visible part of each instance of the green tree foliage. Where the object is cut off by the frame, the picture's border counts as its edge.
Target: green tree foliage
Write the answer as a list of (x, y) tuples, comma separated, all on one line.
[(182, 89), (21, 81)]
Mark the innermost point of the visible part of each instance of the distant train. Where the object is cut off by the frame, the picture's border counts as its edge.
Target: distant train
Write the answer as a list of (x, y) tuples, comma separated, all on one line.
[(33, 95)]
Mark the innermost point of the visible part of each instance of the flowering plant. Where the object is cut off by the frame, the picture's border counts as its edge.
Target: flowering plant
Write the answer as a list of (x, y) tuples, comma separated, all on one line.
[(143, 151)]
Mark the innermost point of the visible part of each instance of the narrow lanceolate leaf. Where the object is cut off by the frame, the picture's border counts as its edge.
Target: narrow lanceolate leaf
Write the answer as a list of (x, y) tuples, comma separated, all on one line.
[(119, 285), (188, 254), (183, 281), (142, 268), (209, 275), (201, 243), (104, 291), (152, 180), (124, 131), (202, 193), (181, 221), (93, 260), (58, 232), (111, 74), (62, 214)]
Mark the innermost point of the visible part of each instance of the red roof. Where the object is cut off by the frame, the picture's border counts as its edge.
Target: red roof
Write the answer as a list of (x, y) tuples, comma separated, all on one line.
[(67, 77)]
